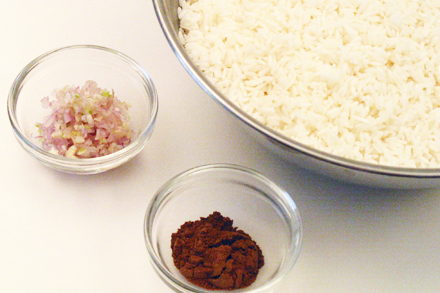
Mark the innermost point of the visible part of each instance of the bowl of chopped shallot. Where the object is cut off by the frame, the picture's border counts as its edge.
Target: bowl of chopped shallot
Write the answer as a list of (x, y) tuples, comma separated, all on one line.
[(83, 109)]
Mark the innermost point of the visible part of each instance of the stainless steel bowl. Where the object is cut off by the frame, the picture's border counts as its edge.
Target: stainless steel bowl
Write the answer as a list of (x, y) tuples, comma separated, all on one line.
[(324, 163)]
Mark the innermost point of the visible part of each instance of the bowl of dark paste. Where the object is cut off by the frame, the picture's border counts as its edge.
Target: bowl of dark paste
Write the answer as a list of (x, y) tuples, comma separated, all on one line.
[(222, 228)]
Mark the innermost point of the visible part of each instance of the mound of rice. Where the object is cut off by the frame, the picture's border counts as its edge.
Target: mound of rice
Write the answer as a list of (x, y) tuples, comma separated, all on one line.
[(356, 78)]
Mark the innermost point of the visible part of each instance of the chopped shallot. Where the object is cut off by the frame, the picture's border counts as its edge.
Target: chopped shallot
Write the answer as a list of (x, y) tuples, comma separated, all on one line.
[(86, 122)]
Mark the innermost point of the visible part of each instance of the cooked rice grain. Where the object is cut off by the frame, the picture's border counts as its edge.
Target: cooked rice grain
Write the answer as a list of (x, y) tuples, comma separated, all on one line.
[(356, 78)]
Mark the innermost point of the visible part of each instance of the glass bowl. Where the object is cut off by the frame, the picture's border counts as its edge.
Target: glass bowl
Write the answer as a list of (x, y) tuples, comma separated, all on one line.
[(74, 65), (255, 204)]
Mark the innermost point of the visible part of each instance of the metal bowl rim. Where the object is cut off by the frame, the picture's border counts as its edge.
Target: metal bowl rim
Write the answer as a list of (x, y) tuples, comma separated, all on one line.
[(287, 143)]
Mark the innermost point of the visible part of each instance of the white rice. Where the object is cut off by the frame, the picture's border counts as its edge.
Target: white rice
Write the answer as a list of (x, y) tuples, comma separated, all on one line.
[(356, 78)]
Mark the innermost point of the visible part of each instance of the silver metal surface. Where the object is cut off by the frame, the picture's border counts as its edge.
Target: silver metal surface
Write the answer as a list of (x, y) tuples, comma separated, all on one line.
[(295, 152)]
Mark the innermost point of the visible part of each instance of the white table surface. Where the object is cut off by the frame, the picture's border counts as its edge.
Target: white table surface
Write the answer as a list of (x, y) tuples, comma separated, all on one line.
[(67, 233)]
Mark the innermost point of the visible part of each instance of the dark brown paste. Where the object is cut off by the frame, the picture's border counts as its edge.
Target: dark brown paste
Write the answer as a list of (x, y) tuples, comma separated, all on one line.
[(213, 254)]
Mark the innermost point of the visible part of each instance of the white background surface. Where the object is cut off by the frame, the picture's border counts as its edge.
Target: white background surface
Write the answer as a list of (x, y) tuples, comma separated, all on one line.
[(66, 233)]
